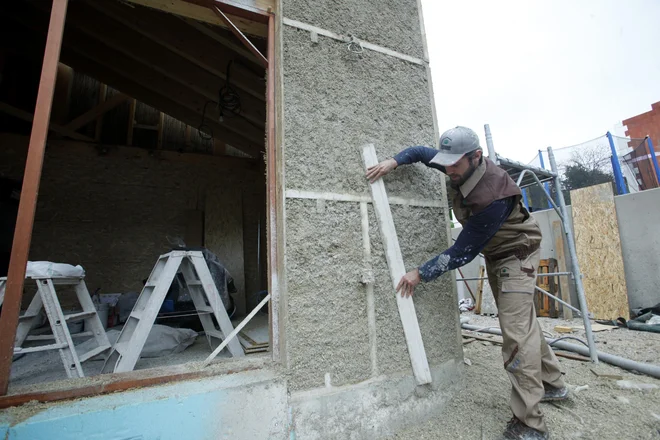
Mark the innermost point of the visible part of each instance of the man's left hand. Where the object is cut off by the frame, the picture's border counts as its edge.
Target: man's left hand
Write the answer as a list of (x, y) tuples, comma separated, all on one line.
[(408, 282)]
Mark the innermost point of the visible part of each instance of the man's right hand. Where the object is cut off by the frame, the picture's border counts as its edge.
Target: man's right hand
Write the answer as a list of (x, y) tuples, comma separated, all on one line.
[(377, 171)]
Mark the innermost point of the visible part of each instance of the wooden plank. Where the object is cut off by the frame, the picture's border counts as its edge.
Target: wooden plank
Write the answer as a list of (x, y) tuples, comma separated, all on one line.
[(406, 306), (30, 189), (560, 254), (599, 251), (480, 289), (96, 112), (27, 116), (203, 13), (237, 329)]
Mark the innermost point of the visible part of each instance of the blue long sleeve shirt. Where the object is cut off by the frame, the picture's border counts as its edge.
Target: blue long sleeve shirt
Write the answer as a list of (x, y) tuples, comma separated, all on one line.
[(476, 233)]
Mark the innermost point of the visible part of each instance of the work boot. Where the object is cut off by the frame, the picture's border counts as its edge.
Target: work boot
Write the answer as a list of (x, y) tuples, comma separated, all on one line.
[(553, 394), (517, 430)]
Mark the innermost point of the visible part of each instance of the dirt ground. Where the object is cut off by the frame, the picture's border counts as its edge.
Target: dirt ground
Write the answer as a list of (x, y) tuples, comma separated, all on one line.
[(603, 410)]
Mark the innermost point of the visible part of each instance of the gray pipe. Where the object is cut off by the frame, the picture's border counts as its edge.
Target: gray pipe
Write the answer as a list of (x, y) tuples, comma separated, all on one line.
[(575, 267), (489, 143), (618, 361)]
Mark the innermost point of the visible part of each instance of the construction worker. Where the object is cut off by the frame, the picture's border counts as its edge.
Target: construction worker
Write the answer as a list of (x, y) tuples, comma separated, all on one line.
[(488, 205)]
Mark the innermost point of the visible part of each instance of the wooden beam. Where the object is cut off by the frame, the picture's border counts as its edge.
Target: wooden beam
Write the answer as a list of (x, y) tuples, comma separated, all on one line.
[(144, 50), (229, 44), (28, 202), (254, 10), (158, 101), (96, 112), (92, 150), (238, 34), (420, 365), (203, 13), (154, 89), (186, 42), (29, 117)]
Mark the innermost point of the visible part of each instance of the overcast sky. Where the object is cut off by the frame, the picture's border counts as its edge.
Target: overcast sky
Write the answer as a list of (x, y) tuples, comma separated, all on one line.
[(542, 73)]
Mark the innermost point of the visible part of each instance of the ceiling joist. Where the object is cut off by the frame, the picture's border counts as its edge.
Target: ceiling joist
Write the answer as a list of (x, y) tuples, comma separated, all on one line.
[(186, 42), (152, 55), (202, 12)]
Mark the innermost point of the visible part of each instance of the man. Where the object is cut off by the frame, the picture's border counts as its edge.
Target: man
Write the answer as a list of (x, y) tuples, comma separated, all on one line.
[(488, 205)]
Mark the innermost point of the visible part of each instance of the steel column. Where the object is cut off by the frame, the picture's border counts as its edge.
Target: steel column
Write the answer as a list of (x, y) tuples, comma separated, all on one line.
[(616, 167), (575, 267)]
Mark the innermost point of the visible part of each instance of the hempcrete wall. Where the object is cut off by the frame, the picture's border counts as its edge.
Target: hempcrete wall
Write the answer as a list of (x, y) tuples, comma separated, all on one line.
[(112, 214), (334, 102)]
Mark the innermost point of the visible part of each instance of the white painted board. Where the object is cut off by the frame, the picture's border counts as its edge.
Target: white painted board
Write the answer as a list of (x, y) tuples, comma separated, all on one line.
[(406, 306)]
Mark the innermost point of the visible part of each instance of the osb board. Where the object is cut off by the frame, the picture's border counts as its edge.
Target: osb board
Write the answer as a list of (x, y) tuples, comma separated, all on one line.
[(599, 251), (223, 235)]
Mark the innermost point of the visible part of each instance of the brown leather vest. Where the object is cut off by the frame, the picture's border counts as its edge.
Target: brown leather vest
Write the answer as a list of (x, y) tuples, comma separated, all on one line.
[(520, 234)]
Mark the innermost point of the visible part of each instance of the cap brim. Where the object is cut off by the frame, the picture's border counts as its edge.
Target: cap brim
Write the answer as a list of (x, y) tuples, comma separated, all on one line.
[(446, 159)]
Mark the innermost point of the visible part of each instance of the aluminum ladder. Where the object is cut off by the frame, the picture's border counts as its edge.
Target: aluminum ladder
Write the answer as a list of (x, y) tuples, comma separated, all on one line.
[(126, 351), (46, 297)]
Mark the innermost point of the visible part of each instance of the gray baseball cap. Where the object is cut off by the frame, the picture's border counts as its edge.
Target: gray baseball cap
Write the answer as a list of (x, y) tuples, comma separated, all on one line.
[(454, 144)]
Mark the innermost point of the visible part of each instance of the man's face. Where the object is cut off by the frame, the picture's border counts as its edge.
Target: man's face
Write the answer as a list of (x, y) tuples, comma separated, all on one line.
[(463, 169)]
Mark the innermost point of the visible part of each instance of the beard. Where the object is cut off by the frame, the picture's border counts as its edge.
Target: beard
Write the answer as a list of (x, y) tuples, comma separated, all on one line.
[(456, 184)]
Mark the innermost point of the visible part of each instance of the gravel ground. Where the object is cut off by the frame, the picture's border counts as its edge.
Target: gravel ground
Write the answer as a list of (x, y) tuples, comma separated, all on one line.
[(602, 411)]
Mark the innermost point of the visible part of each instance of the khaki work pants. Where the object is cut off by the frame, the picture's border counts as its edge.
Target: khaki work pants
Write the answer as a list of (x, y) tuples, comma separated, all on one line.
[(528, 360)]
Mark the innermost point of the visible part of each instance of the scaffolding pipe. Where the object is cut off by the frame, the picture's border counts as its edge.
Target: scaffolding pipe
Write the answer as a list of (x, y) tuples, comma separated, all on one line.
[(551, 203), (546, 293), (575, 267), (489, 142), (618, 361), (557, 299), (552, 274), (546, 186)]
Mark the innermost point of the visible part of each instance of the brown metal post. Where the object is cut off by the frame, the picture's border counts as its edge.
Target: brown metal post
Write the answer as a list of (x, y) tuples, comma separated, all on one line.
[(271, 176), (27, 206)]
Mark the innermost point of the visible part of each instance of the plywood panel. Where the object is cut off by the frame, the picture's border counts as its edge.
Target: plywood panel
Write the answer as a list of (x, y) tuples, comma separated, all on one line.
[(223, 235), (599, 251)]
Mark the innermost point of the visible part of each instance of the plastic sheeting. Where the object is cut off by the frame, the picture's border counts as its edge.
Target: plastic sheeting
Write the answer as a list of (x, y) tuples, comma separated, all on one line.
[(47, 269)]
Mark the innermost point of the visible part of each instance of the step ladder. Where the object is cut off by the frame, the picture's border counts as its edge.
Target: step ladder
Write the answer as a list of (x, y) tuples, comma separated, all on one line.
[(126, 351), (46, 297)]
